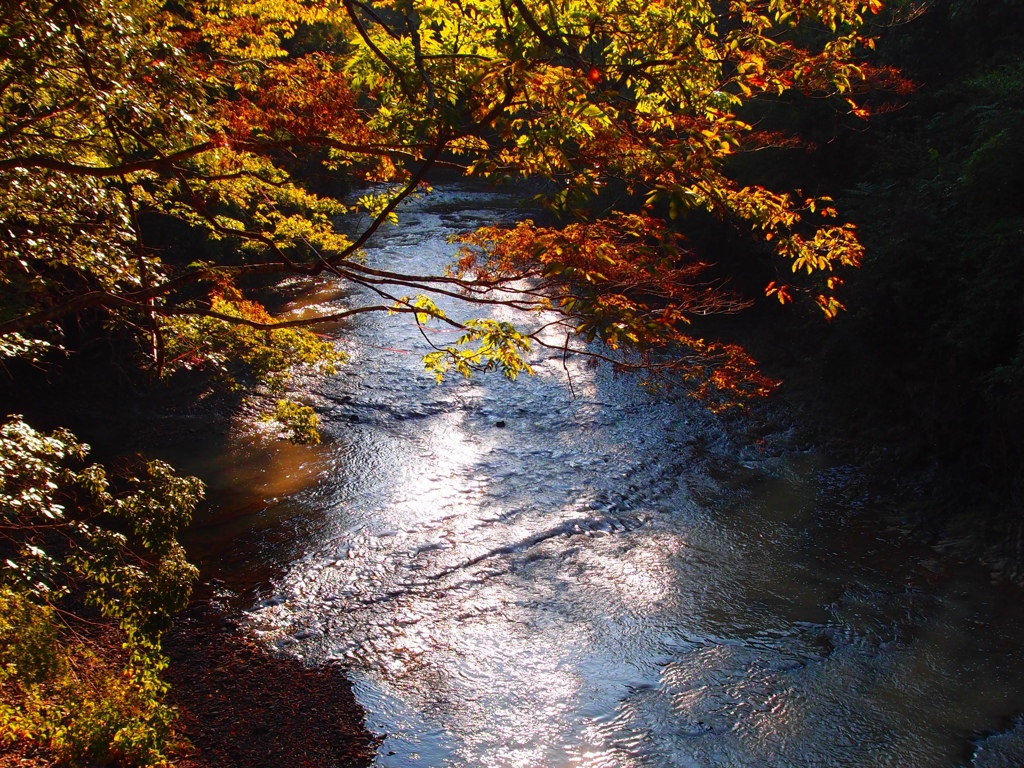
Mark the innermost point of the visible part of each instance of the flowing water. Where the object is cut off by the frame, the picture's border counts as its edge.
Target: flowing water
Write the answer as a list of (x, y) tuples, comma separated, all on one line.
[(520, 574)]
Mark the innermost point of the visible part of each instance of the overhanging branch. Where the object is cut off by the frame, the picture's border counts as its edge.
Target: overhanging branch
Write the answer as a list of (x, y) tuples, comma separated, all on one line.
[(76, 169)]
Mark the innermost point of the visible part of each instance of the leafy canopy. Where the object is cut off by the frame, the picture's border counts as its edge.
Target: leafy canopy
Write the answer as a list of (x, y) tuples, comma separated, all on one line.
[(212, 114)]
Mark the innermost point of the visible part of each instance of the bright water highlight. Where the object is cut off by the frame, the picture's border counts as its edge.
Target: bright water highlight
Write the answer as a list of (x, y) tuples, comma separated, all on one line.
[(609, 579)]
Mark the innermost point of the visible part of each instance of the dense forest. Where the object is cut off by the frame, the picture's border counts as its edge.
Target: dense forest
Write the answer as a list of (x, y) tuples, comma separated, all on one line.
[(755, 201), (923, 373)]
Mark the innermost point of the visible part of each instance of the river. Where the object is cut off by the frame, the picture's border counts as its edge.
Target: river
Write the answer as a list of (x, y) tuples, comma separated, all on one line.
[(520, 574)]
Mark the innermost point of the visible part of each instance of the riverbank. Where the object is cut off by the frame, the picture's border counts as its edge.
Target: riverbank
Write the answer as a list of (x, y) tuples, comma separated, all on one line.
[(240, 707)]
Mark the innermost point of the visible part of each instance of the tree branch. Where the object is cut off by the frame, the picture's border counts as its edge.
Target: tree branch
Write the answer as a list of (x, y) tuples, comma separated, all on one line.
[(551, 41), (98, 299), (75, 169), (390, 207), (403, 86), (276, 326)]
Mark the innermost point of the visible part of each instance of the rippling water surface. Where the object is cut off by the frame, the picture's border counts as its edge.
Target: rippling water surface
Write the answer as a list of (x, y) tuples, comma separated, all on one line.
[(605, 580)]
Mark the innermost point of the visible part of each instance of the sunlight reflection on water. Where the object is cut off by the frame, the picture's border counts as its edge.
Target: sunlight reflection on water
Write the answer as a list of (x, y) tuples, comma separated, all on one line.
[(607, 579)]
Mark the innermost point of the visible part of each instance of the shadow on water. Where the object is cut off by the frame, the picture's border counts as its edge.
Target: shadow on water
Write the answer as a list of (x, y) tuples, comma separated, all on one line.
[(252, 522), (609, 579)]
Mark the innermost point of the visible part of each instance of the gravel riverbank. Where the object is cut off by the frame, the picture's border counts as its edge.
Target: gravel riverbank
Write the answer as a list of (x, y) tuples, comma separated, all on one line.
[(243, 708)]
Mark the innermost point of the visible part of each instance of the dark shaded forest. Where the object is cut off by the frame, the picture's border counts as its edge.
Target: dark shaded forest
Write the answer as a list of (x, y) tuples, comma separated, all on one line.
[(922, 378)]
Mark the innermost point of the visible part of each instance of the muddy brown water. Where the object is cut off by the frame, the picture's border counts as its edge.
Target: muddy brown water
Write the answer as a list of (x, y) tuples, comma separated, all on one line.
[(608, 579)]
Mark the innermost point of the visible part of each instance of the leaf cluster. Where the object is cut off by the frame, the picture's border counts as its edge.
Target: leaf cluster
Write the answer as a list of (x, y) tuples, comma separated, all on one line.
[(214, 340), (57, 692), (67, 531)]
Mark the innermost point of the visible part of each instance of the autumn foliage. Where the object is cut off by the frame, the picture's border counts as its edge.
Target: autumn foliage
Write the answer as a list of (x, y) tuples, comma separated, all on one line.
[(196, 113)]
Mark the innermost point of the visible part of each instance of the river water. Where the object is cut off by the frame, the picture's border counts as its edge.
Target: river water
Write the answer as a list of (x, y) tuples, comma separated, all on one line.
[(520, 574)]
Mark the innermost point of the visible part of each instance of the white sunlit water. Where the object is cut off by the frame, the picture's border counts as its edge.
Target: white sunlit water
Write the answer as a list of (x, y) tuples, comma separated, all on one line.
[(608, 579)]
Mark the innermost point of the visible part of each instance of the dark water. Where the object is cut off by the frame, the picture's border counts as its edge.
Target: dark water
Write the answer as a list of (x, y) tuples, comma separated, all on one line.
[(609, 579)]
